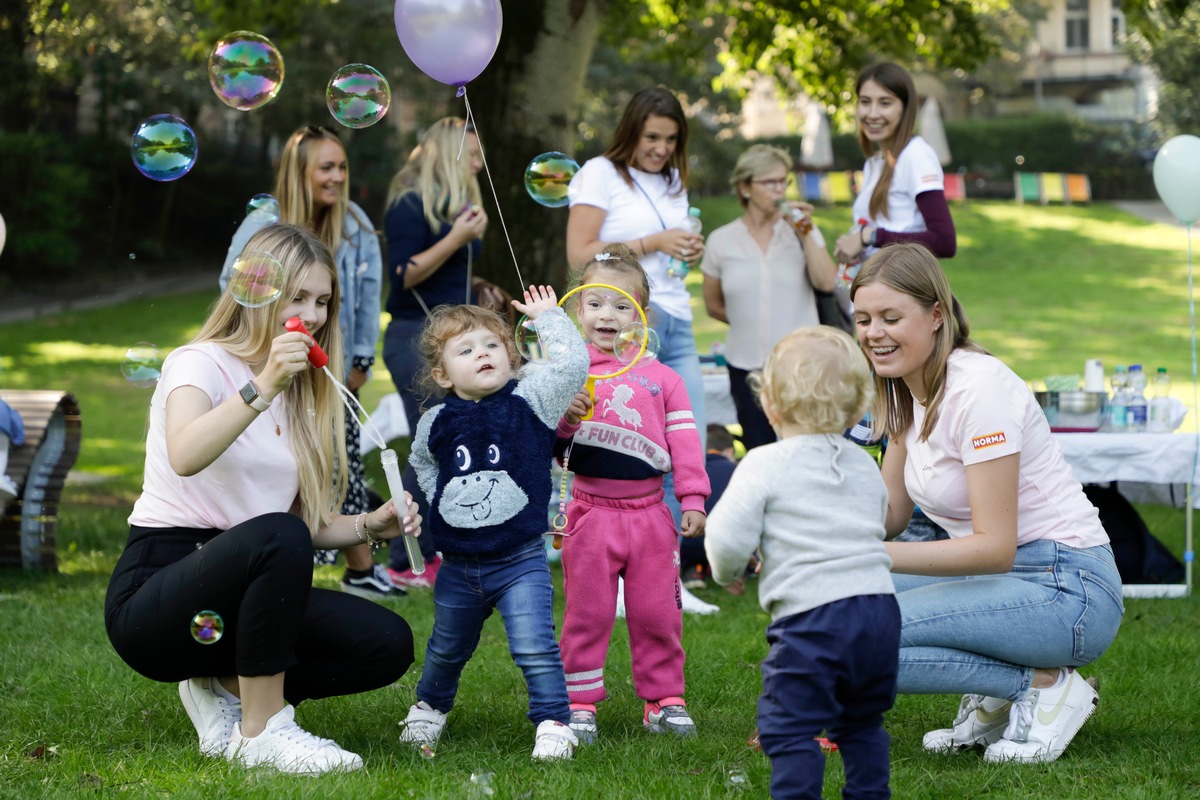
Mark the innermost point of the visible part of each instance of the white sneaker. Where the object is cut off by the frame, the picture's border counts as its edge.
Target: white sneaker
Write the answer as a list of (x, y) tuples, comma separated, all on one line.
[(980, 721), (583, 722), (423, 725), (691, 604), (1043, 721), (212, 715), (555, 741), (287, 747)]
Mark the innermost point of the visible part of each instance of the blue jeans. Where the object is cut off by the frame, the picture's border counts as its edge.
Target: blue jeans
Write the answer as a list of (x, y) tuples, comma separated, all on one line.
[(677, 349), (517, 584), (985, 634)]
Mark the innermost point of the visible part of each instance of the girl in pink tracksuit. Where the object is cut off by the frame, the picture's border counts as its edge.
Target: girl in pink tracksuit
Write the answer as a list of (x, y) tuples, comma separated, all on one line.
[(641, 428)]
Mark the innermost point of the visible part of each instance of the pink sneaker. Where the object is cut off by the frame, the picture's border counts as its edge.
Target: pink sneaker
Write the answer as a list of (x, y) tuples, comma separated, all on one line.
[(407, 579)]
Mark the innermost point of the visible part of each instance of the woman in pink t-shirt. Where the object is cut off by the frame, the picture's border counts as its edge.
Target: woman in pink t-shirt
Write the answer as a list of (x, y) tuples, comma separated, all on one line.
[(214, 588), (1026, 588)]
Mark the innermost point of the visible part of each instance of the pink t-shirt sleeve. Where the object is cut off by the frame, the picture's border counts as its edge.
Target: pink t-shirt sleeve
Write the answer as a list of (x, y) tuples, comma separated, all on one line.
[(188, 367), (988, 419)]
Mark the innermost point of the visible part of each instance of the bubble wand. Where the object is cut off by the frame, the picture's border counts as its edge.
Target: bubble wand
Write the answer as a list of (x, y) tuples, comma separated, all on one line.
[(387, 457)]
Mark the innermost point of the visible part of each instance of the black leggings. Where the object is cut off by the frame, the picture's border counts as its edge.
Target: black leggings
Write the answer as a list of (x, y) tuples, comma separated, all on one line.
[(258, 577)]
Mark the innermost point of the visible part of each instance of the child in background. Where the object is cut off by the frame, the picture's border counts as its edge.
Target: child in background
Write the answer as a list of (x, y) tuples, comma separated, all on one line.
[(483, 457), (618, 524), (814, 503), (719, 463)]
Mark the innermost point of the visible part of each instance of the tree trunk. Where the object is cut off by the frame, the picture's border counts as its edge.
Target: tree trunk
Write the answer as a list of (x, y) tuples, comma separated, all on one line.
[(524, 104)]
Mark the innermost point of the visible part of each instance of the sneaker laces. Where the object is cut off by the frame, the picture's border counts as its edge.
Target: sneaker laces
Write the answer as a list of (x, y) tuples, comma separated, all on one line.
[(1020, 717), (293, 733), (969, 703)]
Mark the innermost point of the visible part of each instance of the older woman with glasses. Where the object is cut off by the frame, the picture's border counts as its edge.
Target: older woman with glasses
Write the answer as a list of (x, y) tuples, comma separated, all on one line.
[(760, 272), (312, 188)]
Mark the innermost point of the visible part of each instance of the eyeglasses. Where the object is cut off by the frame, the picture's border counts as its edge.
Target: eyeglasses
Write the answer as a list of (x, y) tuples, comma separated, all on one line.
[(773, 183)]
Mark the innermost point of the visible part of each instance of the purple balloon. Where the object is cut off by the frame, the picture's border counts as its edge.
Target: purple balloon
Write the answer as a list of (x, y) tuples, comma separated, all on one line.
[(451, 41)]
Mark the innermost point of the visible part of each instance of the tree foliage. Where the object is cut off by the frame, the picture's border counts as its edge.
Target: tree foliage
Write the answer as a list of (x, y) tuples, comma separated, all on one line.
[(1166, 37)]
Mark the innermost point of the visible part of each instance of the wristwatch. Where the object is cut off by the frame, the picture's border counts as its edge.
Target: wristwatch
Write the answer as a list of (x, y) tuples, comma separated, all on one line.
[(252, 398)]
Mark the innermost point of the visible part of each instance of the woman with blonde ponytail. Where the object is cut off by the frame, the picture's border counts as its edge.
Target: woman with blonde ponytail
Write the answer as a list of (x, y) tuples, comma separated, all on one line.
[(244, 475)]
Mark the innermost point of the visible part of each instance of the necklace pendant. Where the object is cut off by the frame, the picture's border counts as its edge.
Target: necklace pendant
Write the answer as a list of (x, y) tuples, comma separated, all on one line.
[(277, 431)]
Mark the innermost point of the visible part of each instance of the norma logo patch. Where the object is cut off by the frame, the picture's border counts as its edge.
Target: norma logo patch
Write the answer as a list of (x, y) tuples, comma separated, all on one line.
[(988, 440)]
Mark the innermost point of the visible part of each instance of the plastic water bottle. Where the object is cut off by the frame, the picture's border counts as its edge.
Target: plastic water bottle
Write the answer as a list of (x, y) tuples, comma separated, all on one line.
[(1117, 405), (862, 436), (678, 268), (1136, 407), (1159, 420)]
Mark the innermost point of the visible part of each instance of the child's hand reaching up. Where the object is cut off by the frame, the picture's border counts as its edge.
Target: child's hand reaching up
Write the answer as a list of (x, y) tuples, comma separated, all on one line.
[(580, 404), (537, 300), (692, 524)]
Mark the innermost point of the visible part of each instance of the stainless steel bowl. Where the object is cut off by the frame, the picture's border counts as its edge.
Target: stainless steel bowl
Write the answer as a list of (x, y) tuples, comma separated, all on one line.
[(1074, 411)]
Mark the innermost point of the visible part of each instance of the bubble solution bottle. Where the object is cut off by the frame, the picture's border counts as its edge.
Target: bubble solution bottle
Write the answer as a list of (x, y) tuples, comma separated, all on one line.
[(1117, 405), (678, 268), (1136, 406), (1159, 420)]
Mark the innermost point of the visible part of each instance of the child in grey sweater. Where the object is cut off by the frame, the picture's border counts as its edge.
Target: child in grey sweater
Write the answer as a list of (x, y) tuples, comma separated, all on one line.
[(814, 504)]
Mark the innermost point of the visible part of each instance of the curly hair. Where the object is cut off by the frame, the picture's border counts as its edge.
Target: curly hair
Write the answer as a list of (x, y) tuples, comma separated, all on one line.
[(817, 380), (447, 321)]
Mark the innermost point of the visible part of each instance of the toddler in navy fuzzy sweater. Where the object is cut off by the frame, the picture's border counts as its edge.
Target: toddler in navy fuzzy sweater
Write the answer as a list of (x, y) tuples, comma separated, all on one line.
[(483, 458)]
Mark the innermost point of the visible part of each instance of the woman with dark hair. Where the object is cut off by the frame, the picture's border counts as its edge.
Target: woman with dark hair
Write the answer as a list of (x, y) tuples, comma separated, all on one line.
[(902, 198), (635, 194), (1025, 590)]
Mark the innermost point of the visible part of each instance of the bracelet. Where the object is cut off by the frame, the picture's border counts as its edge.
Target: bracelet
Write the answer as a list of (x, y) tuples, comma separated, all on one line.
[(362, 533), (862, 237), (363, 363)]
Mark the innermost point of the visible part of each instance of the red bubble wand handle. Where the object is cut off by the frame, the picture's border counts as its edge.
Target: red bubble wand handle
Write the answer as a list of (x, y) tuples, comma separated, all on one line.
[(316, 356)]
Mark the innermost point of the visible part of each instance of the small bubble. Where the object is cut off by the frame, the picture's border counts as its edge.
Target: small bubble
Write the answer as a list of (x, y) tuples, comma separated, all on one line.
[(132, 256), (163, 148), (482, 785), (264, 206), (245, 70), (427, 751), (547, 177), (142, 365), (256, 279), (207, 627), (358, 96), (1020, 160), (628, 344)]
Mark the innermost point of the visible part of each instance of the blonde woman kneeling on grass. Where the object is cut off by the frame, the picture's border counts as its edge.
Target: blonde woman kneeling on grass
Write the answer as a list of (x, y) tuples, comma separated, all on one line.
[(1025, 589)]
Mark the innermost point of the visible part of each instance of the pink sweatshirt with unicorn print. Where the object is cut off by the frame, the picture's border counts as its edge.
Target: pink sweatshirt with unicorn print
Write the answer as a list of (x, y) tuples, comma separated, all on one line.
[(641, 428)]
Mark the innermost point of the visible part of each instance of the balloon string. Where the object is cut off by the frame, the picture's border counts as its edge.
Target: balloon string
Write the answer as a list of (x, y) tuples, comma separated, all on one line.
[(495, 198), (1192, 319)]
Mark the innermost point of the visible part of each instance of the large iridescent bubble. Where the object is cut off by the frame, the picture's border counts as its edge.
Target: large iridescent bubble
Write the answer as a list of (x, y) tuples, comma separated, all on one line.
[(547, 176), (142, 365), (358, 96), (628, 344), (164, 148), (256, 279), (245, 70)]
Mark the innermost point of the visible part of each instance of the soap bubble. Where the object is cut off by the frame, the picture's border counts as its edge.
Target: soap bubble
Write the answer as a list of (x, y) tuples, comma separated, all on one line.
[(245, 70), (736, 781), (3, 233), (142, 365), (207, 627), (163, 148), (265, 207), (482, 785), (427, 751), (547, 176), (256, 279), (628, 344), (1020, 160), (529, 344), (358, 96)]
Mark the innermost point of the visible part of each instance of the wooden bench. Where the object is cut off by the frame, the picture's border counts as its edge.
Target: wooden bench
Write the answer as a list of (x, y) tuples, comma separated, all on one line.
[(29, 524)]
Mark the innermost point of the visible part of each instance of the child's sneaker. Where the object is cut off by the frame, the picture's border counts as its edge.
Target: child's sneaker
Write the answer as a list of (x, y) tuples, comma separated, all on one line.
[(407, 579), (1043, 722), (980, 722), (694, 577), (423, 725), (669, 715), (287, 747), (583, 722), (373, 584), (212, 714), (554, 741)]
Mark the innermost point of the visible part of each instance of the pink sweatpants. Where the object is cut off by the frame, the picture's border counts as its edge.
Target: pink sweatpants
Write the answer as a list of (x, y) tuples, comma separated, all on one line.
[(634, 538)]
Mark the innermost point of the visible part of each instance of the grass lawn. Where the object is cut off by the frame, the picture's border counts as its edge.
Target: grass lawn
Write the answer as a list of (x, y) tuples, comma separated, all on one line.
[(1045, 288)]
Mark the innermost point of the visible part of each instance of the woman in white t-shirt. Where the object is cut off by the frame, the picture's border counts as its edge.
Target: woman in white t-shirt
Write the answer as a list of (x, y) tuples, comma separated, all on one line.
[(903, 197), (1026, 588), (214, 588), (759, 276), (635, 194)]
